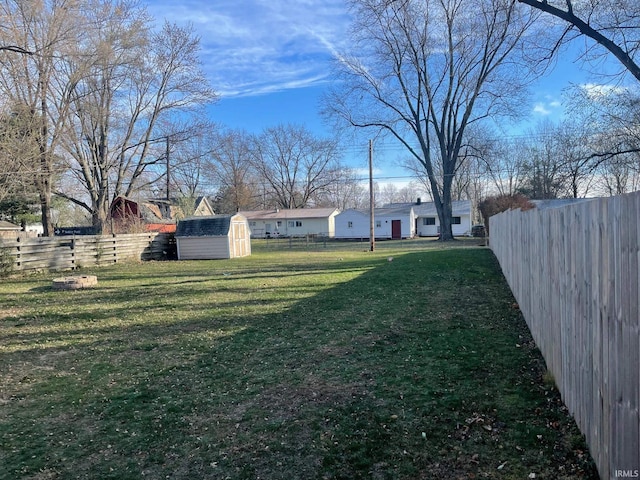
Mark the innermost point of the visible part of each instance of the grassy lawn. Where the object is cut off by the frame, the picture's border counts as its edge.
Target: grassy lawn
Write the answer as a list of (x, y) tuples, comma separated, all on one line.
[(324, 364)]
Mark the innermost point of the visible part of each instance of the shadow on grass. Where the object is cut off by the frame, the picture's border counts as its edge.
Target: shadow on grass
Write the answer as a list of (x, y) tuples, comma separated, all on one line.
[(419, 367)]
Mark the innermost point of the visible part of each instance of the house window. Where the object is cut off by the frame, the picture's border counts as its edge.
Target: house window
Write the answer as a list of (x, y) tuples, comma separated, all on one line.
[(429, 221), (294, 223), (378, 223), (252, 224), (349, 224), (455, 221), (279, 223)]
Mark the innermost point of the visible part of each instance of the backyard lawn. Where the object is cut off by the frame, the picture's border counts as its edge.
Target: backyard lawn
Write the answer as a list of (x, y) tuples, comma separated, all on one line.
[(335, 363)]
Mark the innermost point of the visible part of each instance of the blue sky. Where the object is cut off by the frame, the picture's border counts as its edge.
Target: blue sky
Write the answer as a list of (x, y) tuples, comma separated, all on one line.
[(270, 61)]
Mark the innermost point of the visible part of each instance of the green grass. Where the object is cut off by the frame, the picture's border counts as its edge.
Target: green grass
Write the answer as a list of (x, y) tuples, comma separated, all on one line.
[(334, 363)]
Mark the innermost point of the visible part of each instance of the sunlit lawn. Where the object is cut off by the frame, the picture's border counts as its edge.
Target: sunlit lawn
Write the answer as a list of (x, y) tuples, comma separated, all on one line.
[(331, 363)]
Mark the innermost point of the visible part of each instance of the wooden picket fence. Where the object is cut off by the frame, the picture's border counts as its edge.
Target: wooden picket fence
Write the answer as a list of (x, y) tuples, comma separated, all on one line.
[(71, 252), (574, 272)]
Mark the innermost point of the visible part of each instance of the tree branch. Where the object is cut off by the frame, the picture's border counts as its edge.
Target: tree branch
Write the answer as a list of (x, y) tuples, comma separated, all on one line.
[(586, 29), (16, 49)]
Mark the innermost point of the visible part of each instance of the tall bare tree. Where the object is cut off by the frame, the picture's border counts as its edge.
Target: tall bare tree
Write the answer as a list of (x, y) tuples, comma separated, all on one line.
[(19, 154), (46, 30), (425, 71), (132, 80), (295, 164)]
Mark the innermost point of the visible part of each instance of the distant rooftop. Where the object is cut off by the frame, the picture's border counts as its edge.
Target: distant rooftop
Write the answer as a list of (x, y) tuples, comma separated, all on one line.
[(558, 202), (288, 213)]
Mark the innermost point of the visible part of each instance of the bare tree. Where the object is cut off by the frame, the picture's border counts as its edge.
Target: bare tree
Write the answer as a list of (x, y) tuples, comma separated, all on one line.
[(612, 24), (347, 191), (131, 82), (19, 154), (604, 122), (230, 169), (190, 162), (579, 164), (426, 71), (295, 164), (504, 165), (46, 30), (544, 169)]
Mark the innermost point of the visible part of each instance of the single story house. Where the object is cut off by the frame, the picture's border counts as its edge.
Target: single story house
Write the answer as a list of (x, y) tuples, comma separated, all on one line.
[(428, 223), (390, 223), (213, 237), (294, 222)]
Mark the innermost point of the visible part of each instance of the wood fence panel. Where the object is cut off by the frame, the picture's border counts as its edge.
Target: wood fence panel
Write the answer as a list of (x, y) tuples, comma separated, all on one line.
[(575, 273), (71, 252)]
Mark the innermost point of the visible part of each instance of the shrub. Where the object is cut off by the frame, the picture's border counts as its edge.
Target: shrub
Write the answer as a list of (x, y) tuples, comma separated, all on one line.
[(493, 205)]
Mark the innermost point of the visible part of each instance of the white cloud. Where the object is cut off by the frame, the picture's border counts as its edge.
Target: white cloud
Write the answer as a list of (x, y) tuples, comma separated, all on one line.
[(253, 47), (596, 91), (541, 109)]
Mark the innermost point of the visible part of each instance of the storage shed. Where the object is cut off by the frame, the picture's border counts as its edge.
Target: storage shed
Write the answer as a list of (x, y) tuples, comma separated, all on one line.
[(213, 237)]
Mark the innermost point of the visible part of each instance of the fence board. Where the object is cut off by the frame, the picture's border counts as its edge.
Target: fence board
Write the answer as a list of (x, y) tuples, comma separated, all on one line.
[(70, 252), (575, 273)]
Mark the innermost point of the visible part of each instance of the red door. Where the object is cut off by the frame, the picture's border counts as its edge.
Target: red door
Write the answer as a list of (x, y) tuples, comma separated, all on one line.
[(396, 229)]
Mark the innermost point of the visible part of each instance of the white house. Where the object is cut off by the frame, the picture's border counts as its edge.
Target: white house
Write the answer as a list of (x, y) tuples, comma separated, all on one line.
[(389, 223), (428, 224), (291, 222), (213, 237)]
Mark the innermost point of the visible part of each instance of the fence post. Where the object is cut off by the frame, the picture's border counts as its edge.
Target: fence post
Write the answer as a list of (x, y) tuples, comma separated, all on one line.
[(18, 254)]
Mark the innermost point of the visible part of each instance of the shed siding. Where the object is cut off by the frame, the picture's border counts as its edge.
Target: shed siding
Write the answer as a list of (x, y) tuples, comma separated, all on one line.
[(214, 237), (202, 248)]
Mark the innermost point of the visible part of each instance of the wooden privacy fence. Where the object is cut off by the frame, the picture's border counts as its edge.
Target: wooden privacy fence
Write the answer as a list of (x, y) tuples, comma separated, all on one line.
[(69, 252), (574, 272)]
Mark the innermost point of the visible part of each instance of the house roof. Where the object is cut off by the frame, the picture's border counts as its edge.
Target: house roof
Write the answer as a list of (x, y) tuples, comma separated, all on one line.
[(212, 226), (428, 209), (177, 204), (288, 214), (4, 225), (384, 211)]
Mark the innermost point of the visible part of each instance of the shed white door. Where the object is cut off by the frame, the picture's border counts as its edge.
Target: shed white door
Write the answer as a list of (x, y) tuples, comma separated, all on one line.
[(239, 240)]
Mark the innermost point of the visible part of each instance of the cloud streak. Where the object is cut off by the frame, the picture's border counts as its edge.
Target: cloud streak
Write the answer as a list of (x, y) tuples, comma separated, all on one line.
[(255, 47)]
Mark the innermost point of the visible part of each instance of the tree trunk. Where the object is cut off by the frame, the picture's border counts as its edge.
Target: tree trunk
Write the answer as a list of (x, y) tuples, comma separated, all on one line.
[(45, 207)]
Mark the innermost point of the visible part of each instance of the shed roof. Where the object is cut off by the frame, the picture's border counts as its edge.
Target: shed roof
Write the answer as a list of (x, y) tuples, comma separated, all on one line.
[(4, 225), (212, 226)]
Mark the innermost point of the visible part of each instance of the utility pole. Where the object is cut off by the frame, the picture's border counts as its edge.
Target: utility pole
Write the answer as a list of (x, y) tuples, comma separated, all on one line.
[(372, 231), (168, 171)]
